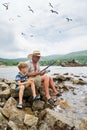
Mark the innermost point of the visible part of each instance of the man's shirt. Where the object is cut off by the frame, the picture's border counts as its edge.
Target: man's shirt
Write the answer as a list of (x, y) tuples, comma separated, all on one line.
[(31, 67)]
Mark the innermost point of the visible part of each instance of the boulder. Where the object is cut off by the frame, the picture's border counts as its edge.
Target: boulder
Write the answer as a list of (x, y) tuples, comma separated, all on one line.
[(3, 121), (60, 78), (38, 105), (30, 120), (15, 93), (56, 120), (15, 126), (83, 124), (12, 113), (4, 90), (78, 81)]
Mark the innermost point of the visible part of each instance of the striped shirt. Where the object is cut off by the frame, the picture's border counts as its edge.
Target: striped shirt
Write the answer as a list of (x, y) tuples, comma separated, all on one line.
[(21, 78)]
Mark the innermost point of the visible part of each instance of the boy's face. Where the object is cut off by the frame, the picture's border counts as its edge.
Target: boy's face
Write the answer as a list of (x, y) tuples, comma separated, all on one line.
[(24, 70)]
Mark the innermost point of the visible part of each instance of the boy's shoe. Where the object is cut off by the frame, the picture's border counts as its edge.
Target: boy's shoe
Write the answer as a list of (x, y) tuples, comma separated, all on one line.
[(36, 98), (20, 106)]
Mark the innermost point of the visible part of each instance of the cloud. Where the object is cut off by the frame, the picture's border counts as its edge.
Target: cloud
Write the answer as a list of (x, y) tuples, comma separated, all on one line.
[(44, 31)]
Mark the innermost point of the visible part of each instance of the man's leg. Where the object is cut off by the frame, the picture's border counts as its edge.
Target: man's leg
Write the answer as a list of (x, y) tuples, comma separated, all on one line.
[(45, 80), (52, 85)]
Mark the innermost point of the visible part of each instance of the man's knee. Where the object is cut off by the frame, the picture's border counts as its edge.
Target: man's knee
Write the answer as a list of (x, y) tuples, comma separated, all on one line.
[(46, 78)]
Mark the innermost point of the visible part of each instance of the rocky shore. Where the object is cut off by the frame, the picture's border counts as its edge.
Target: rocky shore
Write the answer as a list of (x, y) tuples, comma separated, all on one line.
[(40, 115)]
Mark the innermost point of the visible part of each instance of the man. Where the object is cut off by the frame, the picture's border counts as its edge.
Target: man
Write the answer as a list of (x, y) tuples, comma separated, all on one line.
[(34, 70)]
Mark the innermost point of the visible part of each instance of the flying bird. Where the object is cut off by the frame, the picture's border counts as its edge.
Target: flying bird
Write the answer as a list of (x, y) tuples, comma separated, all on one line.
[(18, 16), (30, 9), (31, 36), (53, 11), (23, 34), (68, 19), (6, 5), (50, 5)]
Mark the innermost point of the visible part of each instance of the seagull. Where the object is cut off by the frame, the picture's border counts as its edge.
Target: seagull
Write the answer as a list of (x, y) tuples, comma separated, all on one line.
[(6, 5), (32, 26), (18, 16), (30, 9), (31, 35), (53, 11), (23, 34), (50, 5), (11, 19), (68, 19)]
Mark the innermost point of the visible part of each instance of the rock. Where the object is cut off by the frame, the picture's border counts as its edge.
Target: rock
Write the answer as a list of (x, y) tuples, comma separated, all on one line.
[(6, 93), (79, 81), (65, 73), (3, 120), (13, 125), (38, 105), (4, 90), (2, 104), (30, 120), (59, 77), (12, 113), (63, 104), (44, 126), (15, 93), (85, 99), (55, 120), (83, 124)]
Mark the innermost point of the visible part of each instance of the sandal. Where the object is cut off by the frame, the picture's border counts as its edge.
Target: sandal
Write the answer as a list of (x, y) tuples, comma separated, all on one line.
[(20, 106), (51, 101)]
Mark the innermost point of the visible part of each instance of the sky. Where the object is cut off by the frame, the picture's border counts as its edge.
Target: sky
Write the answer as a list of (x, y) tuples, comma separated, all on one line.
[(23, 31)]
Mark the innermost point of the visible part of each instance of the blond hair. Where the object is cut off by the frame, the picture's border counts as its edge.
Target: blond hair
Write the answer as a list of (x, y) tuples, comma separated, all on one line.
[(22, 65)]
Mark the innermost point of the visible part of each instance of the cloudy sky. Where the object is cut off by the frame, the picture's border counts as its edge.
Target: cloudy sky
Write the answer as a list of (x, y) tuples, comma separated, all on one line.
[(22, 31)]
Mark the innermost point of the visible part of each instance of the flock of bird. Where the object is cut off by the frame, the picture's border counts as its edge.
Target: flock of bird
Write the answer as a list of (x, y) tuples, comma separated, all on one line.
[(52, 10)]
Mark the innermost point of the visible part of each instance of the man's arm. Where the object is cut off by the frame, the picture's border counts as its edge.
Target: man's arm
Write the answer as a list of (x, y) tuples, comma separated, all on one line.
[(30, 74)]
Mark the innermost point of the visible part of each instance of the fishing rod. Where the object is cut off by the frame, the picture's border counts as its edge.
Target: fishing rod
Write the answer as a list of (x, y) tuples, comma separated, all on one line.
[(48, 66)]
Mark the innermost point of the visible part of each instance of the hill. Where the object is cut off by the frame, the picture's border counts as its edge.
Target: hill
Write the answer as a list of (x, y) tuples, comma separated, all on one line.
[(80, 57)]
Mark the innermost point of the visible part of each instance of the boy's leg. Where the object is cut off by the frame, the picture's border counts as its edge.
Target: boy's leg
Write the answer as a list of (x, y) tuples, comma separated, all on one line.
[(21, 93)]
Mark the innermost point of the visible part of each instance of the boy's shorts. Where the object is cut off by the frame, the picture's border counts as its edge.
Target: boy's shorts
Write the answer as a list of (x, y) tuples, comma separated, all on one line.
[(17, 88)]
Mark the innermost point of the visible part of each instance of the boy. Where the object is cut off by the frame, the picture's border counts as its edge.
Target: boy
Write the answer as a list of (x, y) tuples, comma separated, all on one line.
[(22, 82)]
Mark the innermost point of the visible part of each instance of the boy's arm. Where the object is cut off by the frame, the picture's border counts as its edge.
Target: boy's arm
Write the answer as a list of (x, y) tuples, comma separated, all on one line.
[(24, 83)]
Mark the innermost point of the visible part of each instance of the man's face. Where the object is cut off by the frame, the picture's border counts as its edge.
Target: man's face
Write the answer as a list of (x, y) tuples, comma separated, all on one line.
[(36, 58)]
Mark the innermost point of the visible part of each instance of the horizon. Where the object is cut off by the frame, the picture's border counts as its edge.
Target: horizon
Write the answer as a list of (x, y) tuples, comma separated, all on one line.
[(45, 56), (22, 31)]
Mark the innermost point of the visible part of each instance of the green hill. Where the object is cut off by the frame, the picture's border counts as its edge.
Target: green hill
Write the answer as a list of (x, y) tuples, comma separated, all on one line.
[(80, 57)]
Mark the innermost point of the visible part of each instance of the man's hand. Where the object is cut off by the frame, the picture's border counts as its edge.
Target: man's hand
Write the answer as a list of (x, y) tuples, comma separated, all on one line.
[(43, 72), (30, 80)]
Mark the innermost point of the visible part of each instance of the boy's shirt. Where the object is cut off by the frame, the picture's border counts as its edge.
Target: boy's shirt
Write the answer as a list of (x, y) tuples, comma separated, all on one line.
[(21, 78)]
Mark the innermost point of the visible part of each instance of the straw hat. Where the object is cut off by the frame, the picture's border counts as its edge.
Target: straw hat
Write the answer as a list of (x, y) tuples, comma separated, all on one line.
[(35, 53)]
